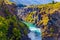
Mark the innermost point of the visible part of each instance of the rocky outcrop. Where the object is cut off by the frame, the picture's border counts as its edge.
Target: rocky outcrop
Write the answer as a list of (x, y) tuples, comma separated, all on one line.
[(46, 17)]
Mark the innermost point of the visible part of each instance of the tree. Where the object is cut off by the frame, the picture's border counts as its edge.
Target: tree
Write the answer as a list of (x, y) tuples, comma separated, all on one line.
[(53, 2)]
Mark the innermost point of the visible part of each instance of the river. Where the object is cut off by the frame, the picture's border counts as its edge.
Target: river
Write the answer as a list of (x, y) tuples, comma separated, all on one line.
[(35, 33)]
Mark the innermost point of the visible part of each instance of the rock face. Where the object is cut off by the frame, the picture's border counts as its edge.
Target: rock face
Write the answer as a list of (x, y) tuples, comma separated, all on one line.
[(11, 28), (46, 16), (5, 8), (53, 28)]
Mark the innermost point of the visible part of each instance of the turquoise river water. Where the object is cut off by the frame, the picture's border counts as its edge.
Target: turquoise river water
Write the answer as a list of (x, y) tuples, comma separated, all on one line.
[(35, 33)]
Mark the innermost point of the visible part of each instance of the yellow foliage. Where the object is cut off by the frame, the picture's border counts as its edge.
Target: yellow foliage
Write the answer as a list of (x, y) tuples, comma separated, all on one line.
[(29, 17), (45, 9), (7, 2), (45, 20), (1, 1)]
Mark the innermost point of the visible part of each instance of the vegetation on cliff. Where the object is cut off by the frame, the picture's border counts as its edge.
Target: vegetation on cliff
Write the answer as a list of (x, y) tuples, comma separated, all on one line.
[(47, 17), (11, 28)]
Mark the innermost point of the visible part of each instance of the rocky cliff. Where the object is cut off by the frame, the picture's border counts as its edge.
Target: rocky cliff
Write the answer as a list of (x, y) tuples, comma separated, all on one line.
[(45, 16), (11, 28)]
